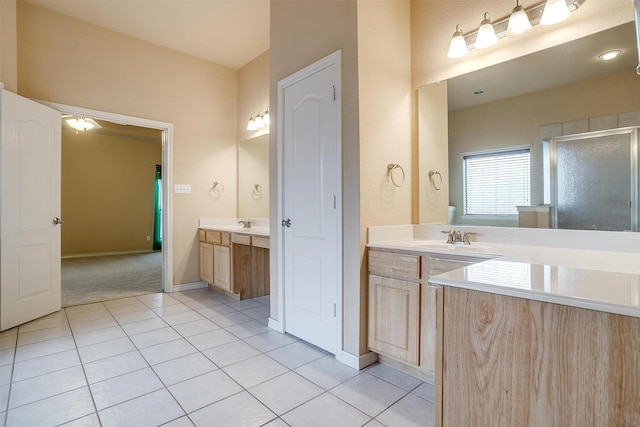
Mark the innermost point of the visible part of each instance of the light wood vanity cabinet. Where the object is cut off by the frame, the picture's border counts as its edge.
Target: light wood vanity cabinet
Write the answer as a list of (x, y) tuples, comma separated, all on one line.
[(405, 311), (518, 362), (235, 263)]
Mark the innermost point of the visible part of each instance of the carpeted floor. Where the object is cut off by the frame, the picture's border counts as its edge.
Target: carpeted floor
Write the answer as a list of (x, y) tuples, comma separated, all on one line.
[(102, 278)]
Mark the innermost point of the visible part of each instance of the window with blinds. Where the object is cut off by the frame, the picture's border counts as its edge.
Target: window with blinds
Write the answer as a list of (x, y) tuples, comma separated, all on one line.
[(495, 183)]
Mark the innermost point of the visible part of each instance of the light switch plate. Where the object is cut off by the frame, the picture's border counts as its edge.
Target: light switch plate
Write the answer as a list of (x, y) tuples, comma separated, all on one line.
[(182, 188)]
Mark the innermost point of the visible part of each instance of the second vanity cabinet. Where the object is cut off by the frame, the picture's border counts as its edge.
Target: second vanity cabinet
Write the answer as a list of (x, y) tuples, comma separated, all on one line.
[(405, 310), (234, 262)]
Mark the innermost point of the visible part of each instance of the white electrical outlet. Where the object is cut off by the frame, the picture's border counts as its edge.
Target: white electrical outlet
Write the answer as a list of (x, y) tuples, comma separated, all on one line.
[(148, 238), (182, 189)]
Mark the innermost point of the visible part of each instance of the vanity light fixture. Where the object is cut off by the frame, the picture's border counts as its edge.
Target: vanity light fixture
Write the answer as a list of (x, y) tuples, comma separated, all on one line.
[(518, 21), (260, 121), (486, 34), (609, 55), (457, 47), (81, 124), (554, 11)]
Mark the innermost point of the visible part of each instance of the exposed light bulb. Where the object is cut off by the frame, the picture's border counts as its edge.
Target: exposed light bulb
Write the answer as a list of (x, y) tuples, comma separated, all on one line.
[(518, 22), (258, 122), (458, 46), (486, 34), (252, 124), (265, 118), (554, 11)]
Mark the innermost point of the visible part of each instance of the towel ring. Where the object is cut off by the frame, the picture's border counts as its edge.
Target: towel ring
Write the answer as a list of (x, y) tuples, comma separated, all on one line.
[(390, 168), (257, 189), (433, 182), (217, 184)]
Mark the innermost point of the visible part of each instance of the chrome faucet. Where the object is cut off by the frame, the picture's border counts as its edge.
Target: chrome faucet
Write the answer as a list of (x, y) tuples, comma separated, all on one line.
[(246, 223), (454, 236)]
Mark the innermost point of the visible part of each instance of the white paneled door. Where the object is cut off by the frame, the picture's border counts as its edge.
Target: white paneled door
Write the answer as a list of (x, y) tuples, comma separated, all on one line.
[(30, 210), (311, 206)]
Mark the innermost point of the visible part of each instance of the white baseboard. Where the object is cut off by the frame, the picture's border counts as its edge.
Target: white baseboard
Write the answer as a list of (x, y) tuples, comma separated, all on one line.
[(145, 251), (275, 324), (358, 362), (189, 286)]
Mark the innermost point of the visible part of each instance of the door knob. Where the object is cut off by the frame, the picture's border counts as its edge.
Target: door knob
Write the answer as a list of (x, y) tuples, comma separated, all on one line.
[(57, 221), (286, 223)]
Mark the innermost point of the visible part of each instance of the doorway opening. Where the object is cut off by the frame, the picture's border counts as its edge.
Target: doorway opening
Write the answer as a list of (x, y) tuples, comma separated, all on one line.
[(116, 200)]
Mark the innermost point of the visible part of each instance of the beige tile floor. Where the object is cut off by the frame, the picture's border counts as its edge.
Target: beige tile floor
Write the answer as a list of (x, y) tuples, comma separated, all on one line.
[(189, 358)]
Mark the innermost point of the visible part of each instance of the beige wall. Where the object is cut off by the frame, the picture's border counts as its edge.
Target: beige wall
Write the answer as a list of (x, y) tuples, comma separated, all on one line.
[(64, 60), (384, 85), (253, 94), (516, 121), (8, 45), (303, 32), (108, 182)]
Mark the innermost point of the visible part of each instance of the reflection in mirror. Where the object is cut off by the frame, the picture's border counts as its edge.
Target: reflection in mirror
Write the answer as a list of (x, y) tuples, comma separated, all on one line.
[(519, 104), (253, 177)]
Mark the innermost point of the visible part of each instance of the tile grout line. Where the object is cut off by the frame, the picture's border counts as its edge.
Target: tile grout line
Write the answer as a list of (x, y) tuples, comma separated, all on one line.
[(84, 372)]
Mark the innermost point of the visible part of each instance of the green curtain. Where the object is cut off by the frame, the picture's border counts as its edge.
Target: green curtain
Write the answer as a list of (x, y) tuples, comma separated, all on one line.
[(157, 220)]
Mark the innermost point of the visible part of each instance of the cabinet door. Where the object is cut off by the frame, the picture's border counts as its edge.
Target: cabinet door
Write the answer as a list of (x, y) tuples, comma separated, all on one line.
[(259, 272), (394, 318), (241, 269), (206, 262), (430, 327), (222, 267)]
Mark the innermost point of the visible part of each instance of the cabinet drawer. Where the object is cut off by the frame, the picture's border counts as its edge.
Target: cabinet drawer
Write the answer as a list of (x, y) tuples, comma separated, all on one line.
[(440, 265), (202, 234), (261, 242), (242, 239), (392, 264), (213, 236)]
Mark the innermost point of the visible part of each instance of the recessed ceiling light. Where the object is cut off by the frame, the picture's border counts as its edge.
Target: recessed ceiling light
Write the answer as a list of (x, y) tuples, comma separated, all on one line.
[(609, 55)]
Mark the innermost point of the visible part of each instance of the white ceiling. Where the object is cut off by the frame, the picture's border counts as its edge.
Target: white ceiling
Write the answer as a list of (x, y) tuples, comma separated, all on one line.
[(226, 32)]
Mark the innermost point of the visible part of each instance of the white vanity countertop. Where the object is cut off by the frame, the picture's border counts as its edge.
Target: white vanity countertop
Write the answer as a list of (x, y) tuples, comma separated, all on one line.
[(259, 227), (600, 280)]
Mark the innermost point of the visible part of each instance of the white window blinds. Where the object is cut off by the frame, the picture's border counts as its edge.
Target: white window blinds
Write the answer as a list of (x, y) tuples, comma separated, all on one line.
[(495, 183)]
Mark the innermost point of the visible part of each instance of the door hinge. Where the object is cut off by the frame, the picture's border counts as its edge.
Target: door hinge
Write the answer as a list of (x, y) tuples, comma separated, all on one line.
[(334, 202), (334, 92), (334, 309)]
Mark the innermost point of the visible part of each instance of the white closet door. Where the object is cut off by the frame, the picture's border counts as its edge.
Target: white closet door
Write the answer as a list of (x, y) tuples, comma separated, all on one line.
[(312, 239)]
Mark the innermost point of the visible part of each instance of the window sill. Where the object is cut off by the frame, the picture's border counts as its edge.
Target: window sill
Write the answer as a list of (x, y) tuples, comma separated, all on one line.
[(491, 217)]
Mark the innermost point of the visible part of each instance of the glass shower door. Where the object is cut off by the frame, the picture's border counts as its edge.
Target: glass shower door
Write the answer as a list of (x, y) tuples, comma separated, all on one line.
[(595, 181)]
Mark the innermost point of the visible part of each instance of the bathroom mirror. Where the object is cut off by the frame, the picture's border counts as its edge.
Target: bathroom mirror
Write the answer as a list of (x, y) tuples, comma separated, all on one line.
[(514, 103), (253, 177)]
